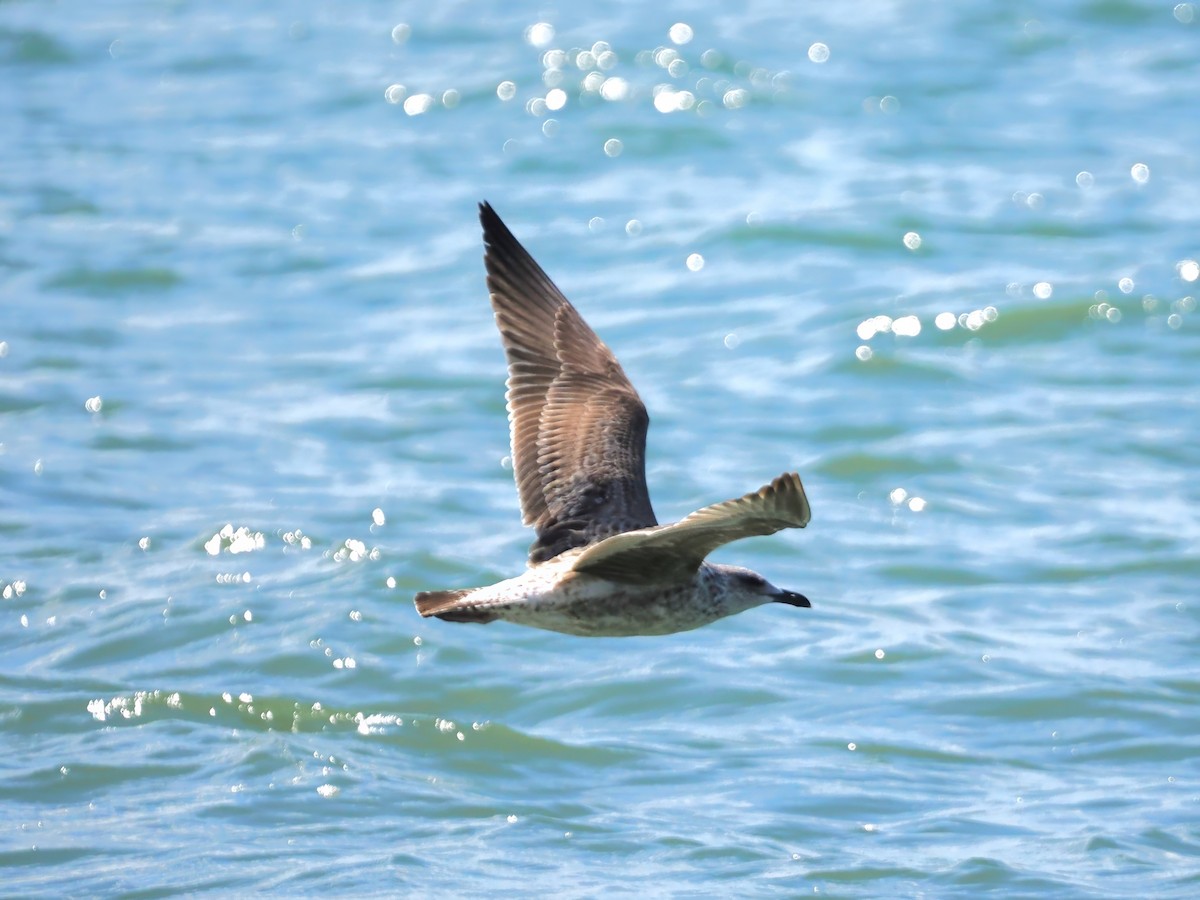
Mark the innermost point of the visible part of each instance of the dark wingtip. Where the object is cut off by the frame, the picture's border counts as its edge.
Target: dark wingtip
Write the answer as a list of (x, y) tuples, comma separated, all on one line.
[(496, 235), (490, 219)]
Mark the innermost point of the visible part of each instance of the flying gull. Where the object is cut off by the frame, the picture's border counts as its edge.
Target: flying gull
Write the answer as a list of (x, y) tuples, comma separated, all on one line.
[(601, 564)]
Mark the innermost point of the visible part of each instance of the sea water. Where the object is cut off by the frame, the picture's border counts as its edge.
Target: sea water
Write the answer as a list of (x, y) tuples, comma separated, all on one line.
[(939, 259)]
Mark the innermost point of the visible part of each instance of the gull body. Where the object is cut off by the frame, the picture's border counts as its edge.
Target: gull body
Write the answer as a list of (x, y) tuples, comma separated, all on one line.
[(601, 565), (553, 596)]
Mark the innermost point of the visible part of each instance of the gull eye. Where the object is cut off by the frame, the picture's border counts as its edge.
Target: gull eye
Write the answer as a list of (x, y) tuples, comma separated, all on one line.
[(750, 580)]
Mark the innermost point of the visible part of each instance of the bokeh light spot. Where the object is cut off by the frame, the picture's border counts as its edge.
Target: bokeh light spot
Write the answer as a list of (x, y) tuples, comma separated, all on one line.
[(614, 89), (680, 33), (418, 104), (735, 98), (539, 34)]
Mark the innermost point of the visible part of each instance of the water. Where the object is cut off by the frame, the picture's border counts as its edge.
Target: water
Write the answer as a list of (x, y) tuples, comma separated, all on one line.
[(242, 287)]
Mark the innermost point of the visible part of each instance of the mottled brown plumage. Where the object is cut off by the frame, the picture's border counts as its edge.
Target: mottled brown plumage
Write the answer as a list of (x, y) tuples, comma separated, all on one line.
[(601, 565), (671, 553), (578, 426)]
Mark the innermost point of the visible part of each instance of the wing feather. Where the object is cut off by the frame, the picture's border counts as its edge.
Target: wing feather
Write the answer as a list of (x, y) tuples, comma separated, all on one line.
[(578, 427), (671, 553)]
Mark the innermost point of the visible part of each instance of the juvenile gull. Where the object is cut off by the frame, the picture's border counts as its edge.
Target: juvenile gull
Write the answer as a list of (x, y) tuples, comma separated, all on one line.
[(601, 564)]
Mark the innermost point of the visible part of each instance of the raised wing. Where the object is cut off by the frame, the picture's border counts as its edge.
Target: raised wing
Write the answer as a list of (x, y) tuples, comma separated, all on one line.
[(671, 553), (578, 427)]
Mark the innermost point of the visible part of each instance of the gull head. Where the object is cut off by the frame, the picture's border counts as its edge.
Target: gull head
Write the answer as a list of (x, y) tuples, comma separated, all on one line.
[(745, 588)]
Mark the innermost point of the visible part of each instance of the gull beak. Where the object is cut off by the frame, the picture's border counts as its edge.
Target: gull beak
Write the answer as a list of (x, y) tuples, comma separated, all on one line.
[(792, 599)]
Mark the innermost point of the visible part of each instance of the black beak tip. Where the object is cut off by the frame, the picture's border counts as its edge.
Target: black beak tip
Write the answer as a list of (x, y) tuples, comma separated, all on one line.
[(793, 599)]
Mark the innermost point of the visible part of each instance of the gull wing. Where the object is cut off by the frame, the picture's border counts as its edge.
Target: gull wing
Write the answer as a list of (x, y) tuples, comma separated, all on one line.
[(672, 553), (578, 427)]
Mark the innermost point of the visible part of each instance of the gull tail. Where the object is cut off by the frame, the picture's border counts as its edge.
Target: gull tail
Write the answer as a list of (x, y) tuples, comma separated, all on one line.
[(450, 606)]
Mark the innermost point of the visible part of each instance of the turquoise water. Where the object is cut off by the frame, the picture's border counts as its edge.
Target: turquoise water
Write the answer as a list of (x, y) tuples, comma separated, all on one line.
[(242, 286)]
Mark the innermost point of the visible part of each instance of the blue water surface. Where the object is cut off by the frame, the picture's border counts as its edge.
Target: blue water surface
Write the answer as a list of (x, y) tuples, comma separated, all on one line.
[(941, 259)]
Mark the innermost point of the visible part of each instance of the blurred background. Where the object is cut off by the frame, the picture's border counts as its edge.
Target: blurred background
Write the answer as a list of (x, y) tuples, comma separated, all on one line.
[(939, 259)]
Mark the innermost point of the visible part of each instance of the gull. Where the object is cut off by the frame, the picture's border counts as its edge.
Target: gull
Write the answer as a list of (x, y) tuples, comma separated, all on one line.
[(601, 565)]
